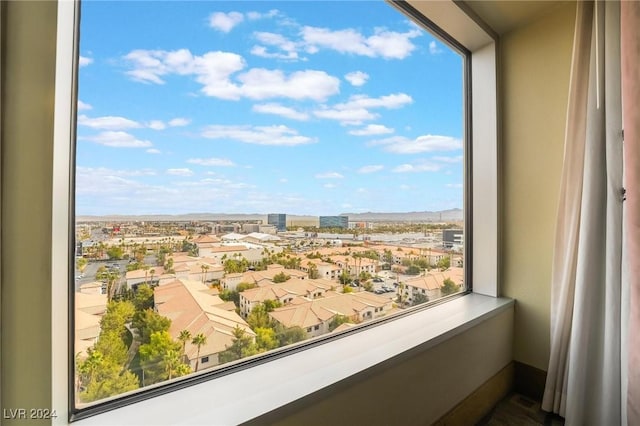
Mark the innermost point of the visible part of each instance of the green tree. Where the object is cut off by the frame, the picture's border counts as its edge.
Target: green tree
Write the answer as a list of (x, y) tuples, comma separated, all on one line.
[(259, 317), (419, 298), (338, 320), (413, 270), (153, 355), (444, 263), (344, 278), (115, 253), (288, 336), (281, 277), (81, 263), (449, 287), (199, 340), (143, 298), (118, 314), (109, 276), (184, 337), (266, 339), (174, 367), (148, 322), (313, 271), (101, 378), (242, 346)]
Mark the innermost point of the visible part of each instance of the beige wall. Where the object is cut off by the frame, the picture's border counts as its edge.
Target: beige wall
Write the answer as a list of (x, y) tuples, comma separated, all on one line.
[(27, 133), (416, 388), (535, 68)]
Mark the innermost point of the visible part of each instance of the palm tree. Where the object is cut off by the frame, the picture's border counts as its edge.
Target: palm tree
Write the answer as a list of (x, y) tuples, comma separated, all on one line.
[(184, 336), (199, 340), (204, 268), (171, 362)]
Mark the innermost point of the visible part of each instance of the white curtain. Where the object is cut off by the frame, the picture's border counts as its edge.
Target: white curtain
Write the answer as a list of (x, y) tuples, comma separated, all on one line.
[(630, 52), (584, 379)]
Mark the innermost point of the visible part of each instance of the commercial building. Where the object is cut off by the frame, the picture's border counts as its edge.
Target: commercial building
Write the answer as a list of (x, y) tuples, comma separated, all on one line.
[(277, 219), (334, 222)]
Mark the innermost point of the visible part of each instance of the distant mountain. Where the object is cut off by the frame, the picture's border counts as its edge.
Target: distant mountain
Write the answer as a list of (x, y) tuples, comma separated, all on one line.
[(426, 216)]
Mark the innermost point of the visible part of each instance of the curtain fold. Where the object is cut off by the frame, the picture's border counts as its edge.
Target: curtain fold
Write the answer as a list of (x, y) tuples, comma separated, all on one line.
[(584, 376), (630, 57)]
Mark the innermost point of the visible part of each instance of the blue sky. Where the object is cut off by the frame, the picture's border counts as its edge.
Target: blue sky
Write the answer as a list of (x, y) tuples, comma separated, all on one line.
[(299, 107)]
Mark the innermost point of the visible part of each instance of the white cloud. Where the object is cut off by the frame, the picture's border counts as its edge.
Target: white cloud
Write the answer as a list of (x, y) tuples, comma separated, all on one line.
[(156, 125), (393, 101), (214, 70), (280, 110), (225, 21), (84, 61), (329, 185), (416, 168), (385, 44), (257, 15), (108, 122), (451, 160), (329, 175), (83, 106), (372, 129), (179, 122), (356, 109), (433, 48), (219, 162), (180, 172), (259, 83), (357, 78), (288, 48), (283, 180), (454, 185), (259, 135), (153, 151), (425, 143), (371, 168), (352, 116), (118, 140)]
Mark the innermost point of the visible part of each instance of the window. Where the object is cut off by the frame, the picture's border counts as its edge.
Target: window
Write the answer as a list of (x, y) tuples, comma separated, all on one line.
[(150, 277)]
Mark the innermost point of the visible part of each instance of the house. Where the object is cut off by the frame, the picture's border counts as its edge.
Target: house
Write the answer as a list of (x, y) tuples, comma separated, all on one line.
[(283, 292), (429, 284), (190, 306), (455, 379), (314, 316)]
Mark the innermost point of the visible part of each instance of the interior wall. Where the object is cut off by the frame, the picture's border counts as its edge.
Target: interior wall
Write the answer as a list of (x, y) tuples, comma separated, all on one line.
[(28, 64), (535, 69), (416, 388)]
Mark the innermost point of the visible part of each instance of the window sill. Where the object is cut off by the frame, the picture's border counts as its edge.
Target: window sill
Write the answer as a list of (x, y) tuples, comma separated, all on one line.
[(254, 391)]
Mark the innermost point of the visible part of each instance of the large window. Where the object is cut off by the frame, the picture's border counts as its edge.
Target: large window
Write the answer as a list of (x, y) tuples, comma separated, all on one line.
[(252, 177)]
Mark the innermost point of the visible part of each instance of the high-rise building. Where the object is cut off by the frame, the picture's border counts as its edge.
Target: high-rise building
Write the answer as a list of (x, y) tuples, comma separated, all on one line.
[(334, 222), (279, 220), (451, 237)]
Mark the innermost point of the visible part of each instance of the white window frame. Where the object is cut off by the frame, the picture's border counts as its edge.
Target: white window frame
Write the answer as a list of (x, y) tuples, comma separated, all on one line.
[(294, 376)]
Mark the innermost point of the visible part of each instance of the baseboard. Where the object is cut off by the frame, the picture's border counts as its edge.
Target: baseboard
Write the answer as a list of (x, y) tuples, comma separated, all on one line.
[(477, 405), (529, 381)]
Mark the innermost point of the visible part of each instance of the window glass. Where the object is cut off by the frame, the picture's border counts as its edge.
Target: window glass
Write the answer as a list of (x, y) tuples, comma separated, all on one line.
[(250, 175)]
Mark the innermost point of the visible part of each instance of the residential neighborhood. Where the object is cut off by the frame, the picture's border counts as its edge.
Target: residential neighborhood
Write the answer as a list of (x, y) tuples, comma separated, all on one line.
[(156, 301)]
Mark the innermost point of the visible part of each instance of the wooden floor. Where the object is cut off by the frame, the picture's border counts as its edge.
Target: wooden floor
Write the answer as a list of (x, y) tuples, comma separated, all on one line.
[(518, 410)]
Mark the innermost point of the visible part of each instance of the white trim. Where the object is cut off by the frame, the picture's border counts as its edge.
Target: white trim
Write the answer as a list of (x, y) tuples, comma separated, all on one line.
[(61, 210), (257, 390)]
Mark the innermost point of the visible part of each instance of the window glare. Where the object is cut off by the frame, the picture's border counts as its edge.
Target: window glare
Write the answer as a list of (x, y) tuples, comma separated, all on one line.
[(252, 175)]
